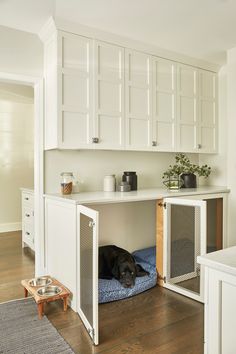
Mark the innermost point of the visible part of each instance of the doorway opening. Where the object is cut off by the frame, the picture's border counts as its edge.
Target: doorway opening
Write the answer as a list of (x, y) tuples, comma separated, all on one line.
[(16, 172)]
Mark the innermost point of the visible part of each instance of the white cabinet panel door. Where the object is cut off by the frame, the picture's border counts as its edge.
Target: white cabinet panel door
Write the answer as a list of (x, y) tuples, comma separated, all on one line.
[(187, 106), (138, 100), (109, 96), (207, 112), (164, 104), (74, 91)]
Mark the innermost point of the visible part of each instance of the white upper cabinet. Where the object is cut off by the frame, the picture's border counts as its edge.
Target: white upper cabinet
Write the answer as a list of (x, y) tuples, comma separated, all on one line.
[(197, 110), (68, 92), (75, 101), (164, 105), (187, 107), (99, 95), (138, 85), (207, 112), (109, 96)]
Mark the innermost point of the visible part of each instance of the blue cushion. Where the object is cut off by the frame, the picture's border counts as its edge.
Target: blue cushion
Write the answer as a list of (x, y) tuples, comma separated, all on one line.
[(111, 290), (147, 255)]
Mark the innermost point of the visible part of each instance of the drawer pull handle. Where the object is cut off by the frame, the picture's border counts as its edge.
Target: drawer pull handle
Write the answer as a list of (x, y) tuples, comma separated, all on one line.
[(27, 215), (27, 233), (26, 198)]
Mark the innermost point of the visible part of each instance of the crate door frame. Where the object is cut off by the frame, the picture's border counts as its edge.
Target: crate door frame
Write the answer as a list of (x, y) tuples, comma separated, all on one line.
[(168, 202), (92, 328)]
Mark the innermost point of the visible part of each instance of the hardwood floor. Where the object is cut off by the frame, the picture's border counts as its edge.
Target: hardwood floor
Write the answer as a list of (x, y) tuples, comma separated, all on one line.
[(157, 321), (15, 264)]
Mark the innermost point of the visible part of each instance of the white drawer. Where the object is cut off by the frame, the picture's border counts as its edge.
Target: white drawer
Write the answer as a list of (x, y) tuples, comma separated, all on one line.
[(27, 199), (27, 214), (28, 234)]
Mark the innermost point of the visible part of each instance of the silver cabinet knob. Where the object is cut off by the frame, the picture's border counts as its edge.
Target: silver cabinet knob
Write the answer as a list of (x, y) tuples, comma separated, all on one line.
[(154, 143), (199, 146), (95, 140)]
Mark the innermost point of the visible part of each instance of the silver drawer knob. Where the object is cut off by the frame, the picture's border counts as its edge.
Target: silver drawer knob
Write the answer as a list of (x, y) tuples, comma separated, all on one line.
[(27, 215), (95, 140), (199, 146), (154, 143)]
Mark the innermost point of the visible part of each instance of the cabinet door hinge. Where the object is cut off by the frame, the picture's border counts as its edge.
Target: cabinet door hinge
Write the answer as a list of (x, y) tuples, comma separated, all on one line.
[(162, 205), (91, 332), (161, 278), (91, 223)]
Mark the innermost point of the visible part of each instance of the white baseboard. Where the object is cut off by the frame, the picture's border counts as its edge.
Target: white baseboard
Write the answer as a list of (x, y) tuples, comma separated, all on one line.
[(14, 226)]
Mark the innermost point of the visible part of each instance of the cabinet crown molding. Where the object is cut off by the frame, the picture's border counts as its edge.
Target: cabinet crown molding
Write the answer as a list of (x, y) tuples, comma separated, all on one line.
[(55, 23)]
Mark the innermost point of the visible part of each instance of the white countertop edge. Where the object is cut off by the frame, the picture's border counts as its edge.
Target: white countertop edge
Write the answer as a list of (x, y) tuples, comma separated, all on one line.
[(140, 195), (27, 190), (223, 260)]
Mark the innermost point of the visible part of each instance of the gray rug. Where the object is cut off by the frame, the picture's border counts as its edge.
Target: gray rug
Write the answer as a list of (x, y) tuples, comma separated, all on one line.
[(21, 332)]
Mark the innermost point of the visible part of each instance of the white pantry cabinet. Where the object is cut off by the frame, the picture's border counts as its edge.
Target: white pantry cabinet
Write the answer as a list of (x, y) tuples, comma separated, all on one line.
[(100, 95)]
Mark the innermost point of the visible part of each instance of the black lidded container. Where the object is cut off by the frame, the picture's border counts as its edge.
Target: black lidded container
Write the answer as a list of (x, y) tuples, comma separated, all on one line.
[(131, 178)]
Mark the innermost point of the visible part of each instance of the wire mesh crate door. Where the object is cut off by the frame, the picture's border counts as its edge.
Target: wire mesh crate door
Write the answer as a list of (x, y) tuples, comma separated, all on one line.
[(184, 238), (88, 270)]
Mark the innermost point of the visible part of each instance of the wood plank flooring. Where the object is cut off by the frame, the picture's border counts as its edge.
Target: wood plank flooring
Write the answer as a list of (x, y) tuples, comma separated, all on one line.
[(157, 321)]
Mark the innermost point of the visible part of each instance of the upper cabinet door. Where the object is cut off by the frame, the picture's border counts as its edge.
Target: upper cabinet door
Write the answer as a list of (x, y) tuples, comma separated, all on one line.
[(164, 105), (187, 106), (138, 100), (75, 99), (109, 96), (207, 112)]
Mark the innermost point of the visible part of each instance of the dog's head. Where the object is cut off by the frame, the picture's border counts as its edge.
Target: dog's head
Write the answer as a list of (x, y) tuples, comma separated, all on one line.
[(125, 270)]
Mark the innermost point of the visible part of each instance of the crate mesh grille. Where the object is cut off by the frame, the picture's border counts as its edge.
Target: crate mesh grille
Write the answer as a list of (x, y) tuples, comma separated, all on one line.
[(184, 246), (86, 267)]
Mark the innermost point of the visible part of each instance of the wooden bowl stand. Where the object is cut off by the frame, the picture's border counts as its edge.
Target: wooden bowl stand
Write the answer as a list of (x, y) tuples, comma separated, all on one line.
[(41, 300)]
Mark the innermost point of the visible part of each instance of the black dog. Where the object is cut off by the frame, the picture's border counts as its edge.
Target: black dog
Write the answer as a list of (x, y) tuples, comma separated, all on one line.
[(120, 264)]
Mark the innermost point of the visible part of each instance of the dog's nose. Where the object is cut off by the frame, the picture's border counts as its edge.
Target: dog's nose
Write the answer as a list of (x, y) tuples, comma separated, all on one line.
[(129, 285)]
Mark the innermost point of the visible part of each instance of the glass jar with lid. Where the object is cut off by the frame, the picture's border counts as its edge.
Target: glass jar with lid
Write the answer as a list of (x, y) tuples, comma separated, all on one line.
[(66, 182)]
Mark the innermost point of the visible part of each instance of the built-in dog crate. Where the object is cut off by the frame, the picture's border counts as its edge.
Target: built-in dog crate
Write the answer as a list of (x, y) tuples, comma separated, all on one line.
[(182, 228)]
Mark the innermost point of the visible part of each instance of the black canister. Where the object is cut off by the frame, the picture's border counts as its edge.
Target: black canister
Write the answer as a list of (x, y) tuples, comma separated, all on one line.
[(132, 179)]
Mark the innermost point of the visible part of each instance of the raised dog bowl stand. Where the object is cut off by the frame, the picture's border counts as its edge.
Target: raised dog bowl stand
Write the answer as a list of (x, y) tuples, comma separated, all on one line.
[(41, 300)]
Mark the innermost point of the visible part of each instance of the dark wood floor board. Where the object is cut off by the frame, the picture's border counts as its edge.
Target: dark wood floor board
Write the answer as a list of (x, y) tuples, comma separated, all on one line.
[(156, 321)]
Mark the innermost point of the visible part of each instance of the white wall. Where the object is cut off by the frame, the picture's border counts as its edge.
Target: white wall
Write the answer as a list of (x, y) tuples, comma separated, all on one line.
[(92, 166), (16, 153), (21, 52)]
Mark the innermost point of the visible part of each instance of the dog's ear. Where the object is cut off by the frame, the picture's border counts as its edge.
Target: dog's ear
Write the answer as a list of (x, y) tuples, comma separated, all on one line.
[(140, 272), (115, 270)]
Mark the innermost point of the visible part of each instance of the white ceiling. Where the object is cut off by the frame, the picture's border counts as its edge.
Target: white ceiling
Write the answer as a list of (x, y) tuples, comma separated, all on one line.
[(198, 28)]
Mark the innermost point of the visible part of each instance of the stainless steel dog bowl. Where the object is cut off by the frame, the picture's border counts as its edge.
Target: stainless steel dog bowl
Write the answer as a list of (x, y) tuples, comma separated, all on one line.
[(50, 290), (40, 281)]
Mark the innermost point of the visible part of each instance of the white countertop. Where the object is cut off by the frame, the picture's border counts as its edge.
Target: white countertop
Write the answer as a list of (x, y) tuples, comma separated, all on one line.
[(140, 195), (223, 260)]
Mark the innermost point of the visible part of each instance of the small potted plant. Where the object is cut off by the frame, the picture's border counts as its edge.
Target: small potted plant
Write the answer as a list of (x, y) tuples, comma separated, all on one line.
[(185, 172)]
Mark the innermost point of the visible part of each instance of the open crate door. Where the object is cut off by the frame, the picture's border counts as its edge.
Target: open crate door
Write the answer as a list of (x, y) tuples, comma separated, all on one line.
[(87, 264), (184, 240)]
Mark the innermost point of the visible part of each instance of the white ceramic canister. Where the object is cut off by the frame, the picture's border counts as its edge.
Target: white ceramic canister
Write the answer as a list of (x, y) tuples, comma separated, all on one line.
[(109, 183)]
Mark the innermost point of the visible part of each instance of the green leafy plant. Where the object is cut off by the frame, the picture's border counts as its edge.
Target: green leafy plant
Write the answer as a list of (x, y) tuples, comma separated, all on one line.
[(184, 166)]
